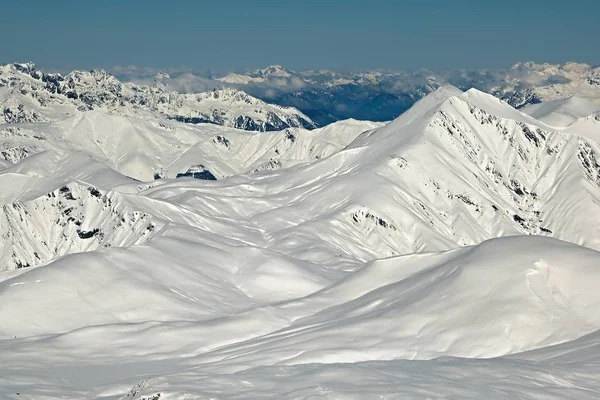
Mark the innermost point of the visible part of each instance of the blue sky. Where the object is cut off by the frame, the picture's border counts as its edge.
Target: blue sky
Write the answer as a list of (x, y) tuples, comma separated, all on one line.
[(237, 34)]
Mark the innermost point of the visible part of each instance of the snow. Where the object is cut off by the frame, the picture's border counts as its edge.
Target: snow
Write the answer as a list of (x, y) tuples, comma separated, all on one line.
[(562, 112), (27, 95), (450, 253), (382, 326), (273, 72)]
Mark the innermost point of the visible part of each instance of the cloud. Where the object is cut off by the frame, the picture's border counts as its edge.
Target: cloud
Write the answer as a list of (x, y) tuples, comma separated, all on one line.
[(129, 69), (402, 82)]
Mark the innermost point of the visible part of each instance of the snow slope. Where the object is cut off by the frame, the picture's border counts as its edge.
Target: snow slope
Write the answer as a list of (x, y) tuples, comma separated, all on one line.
[(140, 331), (145, 148), (451, 253), (87, 150), (561, 112), (455, 170)]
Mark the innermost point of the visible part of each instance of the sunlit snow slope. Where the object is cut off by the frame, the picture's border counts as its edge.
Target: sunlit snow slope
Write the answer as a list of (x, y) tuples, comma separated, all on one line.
[(452, 253)]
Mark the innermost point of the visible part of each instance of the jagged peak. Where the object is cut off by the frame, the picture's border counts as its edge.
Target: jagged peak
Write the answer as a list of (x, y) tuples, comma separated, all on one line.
[(27, 68), (97, 75)]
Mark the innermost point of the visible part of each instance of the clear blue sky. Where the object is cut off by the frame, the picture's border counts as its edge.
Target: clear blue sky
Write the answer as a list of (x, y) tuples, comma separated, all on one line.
[(351, 34)]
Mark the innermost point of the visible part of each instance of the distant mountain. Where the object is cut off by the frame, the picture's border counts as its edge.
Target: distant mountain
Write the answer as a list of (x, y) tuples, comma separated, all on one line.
[(29, 95), (273, 72), (326, 96), (236, 109), (532, 83)]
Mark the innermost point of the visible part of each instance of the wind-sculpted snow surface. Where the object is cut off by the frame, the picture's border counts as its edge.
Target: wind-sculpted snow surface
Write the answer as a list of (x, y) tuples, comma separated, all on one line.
[(186, 328), (416, 259)]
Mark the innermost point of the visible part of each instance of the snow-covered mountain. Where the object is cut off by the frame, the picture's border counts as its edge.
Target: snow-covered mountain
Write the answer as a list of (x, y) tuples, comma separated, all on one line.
[(456, 169), (576, 115), (237, 109), (333, 93), (148, 148), (275, 74), (458, 242), (534, 83), (29, 95)]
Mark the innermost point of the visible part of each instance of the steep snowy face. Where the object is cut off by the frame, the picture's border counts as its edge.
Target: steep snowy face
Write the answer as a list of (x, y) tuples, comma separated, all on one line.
[(29, 95), (476, 168), (74, 218)]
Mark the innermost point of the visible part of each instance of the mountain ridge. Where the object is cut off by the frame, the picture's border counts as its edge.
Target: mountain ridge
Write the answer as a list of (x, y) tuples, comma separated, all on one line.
[(459, 239), (29, 95)]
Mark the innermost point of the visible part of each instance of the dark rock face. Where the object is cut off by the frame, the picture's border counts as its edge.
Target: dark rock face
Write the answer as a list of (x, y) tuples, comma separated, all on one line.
[(15, 115), (204, 175), (87, 234), (191, 120), (523, 98), (198, 172), (248, 124)]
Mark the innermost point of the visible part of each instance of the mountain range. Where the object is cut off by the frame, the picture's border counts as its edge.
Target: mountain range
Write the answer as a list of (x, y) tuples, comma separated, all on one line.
[(327, 96), (29, 95), (287, 98), (164, 245)]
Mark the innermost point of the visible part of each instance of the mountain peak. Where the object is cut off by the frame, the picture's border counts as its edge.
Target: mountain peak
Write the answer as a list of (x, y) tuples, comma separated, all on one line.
[(27, 68), (273, 70)]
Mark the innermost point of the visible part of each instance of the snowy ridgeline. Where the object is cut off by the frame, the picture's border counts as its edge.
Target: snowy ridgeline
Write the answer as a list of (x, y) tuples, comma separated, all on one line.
[(30, 95), (147, 258)]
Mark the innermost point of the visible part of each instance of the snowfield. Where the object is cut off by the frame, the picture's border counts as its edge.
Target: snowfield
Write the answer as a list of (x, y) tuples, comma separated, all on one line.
[(451, 253)]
